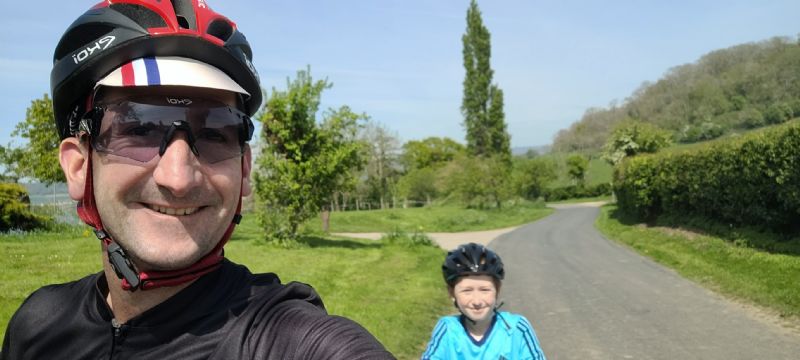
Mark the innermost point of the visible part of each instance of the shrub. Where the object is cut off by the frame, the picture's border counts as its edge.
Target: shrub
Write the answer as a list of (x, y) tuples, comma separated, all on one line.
[(577, 192), (751, 118), (702, 132), (401, 238), (752, 180), (778, 113), (15, 211), (795, 106)]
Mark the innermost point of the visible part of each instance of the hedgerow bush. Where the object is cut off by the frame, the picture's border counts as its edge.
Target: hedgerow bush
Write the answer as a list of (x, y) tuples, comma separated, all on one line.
[(577, 192), (752, 180), (15, 211)]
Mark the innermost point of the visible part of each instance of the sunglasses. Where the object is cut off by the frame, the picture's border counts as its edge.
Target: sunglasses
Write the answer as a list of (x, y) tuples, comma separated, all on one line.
[(142, 128)]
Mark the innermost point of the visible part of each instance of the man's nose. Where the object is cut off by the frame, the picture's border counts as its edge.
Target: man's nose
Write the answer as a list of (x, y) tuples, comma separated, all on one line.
[(178, 169)]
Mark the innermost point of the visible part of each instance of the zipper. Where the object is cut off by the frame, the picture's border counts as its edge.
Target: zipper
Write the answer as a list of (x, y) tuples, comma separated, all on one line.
[(117, 333)]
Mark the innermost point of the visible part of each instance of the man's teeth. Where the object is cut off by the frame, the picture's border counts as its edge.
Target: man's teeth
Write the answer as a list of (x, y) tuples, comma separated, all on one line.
[(173, 211)]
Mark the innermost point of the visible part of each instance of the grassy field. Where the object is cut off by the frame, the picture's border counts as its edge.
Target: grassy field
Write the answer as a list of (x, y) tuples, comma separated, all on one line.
[(396, 292), (598, 172), (431, 219), (768, 279)]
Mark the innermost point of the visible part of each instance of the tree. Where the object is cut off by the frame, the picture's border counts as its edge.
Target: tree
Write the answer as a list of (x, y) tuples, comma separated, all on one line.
[(381, 151), (531, 176), (576, 168), (10, 160), (633, 137), (37, 159), (418, 185), (430, 152), (482, 105), (303, 163), (480, 182)]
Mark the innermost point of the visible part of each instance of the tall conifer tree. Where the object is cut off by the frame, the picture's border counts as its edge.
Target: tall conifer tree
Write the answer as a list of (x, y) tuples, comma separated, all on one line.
[(482, 105)]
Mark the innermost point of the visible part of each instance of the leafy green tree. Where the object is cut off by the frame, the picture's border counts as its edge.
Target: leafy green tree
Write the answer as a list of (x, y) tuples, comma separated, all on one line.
[(577, 165), (634, 137), (751, 118), (37, 159), (430, 152), (531, 176), (303, 162), (478, 181), (482, 105), (418, 185), (778, 113), (10, 161)]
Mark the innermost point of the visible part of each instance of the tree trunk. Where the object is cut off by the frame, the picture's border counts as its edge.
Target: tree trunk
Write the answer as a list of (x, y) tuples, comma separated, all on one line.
[(326, 220)]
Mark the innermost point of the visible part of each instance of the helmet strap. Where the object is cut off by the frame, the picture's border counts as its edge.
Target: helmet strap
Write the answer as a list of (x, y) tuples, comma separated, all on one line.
[(132, 279)]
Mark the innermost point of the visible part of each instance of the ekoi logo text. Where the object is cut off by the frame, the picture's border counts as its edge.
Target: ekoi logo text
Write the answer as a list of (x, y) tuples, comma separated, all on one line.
[(99, 45)]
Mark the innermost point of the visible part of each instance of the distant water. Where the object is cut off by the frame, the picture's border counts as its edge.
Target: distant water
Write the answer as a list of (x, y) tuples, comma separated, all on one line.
[(52, 201)]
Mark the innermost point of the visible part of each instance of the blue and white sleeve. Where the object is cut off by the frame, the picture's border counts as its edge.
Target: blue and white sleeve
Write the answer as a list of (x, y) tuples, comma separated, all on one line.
[(436, 347), (531, 348)]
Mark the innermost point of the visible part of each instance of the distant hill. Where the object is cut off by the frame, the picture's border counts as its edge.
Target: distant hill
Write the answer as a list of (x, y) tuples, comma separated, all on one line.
[(742, 87)]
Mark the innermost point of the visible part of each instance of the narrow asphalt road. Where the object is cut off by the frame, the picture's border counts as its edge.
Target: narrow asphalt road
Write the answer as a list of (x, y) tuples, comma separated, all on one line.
[(589, 298)]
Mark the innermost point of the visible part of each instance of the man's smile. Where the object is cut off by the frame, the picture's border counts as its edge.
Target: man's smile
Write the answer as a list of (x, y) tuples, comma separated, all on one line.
[(173, 211)]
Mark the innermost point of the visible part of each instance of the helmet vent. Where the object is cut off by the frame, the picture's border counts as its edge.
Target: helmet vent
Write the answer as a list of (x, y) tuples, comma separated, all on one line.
[(220, 29), (143, 16), (77, 37), (184, 12)]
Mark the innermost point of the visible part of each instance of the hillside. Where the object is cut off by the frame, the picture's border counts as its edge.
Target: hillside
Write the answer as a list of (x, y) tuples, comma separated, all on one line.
[(742, 87)]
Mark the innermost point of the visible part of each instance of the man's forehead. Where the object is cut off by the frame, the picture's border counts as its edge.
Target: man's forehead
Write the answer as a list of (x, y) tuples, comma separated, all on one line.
[(114, 94)]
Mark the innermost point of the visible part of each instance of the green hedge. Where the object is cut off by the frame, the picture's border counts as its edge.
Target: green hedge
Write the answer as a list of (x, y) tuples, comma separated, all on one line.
[(576, 192), (751, 180), (15, 211)]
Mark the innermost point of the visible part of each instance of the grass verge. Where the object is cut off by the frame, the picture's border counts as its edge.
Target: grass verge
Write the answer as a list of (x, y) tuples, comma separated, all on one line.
[(394, 291), (766, 279), (432, 219)]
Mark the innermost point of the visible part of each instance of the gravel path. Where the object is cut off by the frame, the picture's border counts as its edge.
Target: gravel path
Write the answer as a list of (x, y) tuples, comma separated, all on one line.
[(451, 240)]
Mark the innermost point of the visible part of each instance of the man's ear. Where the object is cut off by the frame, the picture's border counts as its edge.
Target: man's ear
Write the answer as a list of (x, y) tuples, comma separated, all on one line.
[(247, 167), (73, 158)]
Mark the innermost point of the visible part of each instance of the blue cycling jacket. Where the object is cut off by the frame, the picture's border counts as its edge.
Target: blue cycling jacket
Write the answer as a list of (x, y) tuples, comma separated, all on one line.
[(510, 336)]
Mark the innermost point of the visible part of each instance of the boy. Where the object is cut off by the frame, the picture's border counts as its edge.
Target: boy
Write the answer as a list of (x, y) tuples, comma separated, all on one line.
[(473, 275)]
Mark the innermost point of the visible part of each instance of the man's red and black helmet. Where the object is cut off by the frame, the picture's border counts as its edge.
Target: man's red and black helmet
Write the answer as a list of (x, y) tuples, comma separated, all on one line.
[(113, 33), (472, 259)]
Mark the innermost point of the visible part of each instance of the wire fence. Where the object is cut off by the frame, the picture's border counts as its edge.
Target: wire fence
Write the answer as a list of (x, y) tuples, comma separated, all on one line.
[(62, 212)]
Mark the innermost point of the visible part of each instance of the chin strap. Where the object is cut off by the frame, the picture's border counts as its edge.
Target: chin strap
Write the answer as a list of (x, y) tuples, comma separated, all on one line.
[(132, 279)]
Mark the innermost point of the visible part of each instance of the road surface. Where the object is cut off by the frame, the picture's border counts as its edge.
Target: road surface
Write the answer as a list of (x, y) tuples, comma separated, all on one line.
[(589, 298)]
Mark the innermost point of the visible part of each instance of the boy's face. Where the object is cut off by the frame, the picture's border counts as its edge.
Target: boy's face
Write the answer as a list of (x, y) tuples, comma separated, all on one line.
[(475, 296)]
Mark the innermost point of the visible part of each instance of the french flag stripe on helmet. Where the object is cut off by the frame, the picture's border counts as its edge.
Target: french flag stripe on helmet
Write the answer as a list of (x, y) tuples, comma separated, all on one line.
[(141, 72), (170, 71)]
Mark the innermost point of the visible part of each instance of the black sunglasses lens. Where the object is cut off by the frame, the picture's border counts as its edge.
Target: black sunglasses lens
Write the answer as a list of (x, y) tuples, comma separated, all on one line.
[(137, 130)]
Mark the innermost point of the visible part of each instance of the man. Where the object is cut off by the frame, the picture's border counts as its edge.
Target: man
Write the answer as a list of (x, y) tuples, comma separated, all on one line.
[(152, 101)]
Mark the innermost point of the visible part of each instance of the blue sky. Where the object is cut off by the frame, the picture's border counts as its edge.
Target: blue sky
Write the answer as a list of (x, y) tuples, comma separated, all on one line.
[(400, 61)]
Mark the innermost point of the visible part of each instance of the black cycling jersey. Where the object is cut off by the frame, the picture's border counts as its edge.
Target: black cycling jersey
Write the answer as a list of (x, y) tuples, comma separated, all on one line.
[(228, 314)]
